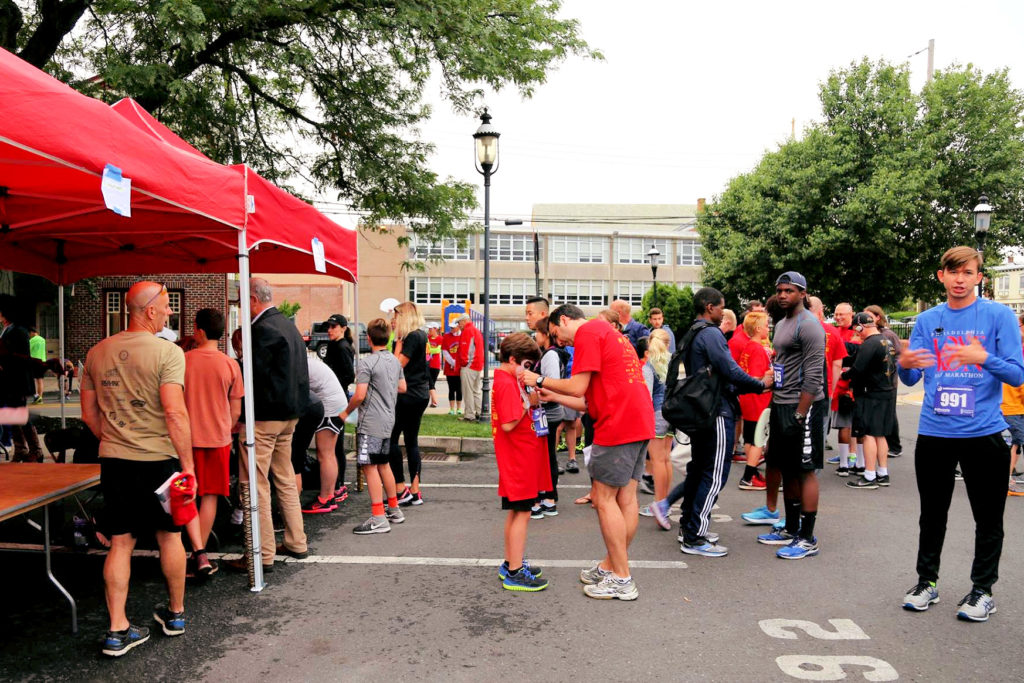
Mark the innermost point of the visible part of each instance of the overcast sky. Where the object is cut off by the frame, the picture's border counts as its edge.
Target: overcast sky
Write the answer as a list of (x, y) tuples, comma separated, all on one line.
[(691, 94)]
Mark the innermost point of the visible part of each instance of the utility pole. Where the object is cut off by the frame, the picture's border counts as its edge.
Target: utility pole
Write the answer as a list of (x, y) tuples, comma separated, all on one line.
[(931, 59)]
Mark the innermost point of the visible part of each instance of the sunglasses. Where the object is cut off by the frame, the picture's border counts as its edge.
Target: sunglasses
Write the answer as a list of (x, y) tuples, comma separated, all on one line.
[(163, 290)]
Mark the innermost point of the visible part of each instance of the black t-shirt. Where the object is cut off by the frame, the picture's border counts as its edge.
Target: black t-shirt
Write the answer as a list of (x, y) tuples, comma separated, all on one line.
[(874, 366), (417, 376), (339, 360)]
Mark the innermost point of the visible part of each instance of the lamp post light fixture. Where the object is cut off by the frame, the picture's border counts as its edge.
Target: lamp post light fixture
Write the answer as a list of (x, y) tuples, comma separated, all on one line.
[(486, 137), (652, 256), (982, 220)]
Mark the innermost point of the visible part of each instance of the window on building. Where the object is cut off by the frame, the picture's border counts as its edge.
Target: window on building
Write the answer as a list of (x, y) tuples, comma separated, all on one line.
[(432, 290), (1003, 283), (633, 292), (447, 249), (511, 247), (47, 321), (586, 249), (579, 292), (688, 253), (634, 250), (117, 311), (511, 291), (1020, 283)]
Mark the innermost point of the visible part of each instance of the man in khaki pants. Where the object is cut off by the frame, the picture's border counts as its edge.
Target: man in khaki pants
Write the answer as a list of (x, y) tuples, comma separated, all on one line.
[(280, 394)]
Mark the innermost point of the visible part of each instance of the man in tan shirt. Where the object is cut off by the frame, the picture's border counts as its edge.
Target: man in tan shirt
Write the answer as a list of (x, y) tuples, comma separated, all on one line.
[(133, 401)]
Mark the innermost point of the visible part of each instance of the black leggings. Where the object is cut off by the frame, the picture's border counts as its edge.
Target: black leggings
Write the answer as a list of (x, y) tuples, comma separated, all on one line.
[(305, 428), (552, 462), (454, 387), (434, 372), (408, 414)]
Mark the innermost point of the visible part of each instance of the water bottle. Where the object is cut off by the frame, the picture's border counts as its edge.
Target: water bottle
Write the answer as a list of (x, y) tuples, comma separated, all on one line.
[(81, 541)]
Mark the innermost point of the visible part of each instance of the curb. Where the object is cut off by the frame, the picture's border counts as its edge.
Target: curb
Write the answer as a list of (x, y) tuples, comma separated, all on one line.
[(448, 444)]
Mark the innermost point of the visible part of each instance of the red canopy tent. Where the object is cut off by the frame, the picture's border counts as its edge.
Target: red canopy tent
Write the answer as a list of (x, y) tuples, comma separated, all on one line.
[(188, 213)]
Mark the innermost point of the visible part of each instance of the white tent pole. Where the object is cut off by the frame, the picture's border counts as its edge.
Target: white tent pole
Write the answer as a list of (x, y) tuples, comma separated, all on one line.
[(254, 550), (355, 315), (60, 354)]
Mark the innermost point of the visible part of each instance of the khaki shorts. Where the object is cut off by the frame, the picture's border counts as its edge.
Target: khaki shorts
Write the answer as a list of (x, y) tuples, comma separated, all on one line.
[(616, 465)]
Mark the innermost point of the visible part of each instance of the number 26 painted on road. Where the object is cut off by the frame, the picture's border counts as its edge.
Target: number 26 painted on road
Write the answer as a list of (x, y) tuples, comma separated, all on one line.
[(825, 667)]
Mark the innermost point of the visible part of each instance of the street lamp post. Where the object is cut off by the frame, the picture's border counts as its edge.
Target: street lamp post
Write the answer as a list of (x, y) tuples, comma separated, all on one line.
[(486, 137), (653, 255), (982, 220)]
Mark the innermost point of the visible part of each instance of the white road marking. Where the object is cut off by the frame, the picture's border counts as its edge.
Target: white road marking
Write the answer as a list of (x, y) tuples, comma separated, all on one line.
[(830, 668), (845, 629)]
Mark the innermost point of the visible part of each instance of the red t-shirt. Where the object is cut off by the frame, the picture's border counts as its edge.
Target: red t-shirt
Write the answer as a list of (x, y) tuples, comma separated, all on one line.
[(835, 350), (472, 336), (846, 333), (522, 456), (434, 359), (843, 385), (737, 344), (450, 343), (755, 362), (617, 397)]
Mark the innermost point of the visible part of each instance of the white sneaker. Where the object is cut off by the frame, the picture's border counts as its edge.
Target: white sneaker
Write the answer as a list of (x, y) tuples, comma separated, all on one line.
[(612, 588)]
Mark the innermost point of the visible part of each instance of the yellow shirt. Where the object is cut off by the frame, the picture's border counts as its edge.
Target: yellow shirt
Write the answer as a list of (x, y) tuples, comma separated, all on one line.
[(1013, 400), (126, 371)]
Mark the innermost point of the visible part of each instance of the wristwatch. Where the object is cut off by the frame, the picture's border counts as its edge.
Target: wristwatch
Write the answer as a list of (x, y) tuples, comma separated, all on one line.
[(800, 417), (540, 381)]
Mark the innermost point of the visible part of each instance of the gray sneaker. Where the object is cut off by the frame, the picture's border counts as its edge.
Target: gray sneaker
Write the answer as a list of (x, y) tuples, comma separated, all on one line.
[(611, 588), (645, 511), (395, 516), (594, 575), (976, 606), (374, 525), (921, 597), (704, 547)]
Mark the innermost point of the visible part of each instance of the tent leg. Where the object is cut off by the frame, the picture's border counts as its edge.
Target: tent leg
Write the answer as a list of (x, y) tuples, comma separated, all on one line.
[(60, 354), (253, 548)]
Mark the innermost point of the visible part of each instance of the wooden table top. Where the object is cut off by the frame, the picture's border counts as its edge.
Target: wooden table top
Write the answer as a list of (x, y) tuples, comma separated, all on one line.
[(27, 486)]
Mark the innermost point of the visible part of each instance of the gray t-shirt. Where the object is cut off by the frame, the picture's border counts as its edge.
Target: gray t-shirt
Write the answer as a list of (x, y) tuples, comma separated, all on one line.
[(324, 385), (382, 372), (799, 358), (550, 366)]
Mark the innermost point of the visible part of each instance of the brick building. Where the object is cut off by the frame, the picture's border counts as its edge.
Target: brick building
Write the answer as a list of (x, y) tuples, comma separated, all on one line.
[(97, 310)]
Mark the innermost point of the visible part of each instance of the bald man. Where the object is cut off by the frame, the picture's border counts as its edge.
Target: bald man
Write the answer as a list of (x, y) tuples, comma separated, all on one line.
[(133, 400), (633, 329)]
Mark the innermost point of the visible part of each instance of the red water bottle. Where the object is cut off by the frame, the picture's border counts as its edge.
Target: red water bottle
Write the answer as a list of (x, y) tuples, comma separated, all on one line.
[(183, 488)]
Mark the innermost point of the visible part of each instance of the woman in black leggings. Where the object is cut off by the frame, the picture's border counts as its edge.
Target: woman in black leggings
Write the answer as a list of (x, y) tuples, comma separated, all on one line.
[(411, 350)]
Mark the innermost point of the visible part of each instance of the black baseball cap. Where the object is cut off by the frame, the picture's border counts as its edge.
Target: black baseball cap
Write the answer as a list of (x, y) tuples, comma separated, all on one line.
[(863, 320), (791, 277), (337, 319)]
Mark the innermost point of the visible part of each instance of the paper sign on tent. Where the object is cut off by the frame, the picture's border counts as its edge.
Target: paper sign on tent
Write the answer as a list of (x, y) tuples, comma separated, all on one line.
[(117, 191), (319, 260)]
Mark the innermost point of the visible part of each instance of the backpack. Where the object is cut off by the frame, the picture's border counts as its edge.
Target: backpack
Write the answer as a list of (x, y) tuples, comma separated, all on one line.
[(692, 402)]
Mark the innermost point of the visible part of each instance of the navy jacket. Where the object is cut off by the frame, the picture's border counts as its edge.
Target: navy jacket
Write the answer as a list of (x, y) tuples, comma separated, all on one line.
[(709, 348)]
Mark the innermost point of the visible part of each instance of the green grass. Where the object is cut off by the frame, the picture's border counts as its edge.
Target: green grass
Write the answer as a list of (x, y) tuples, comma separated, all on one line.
[(450, 425)]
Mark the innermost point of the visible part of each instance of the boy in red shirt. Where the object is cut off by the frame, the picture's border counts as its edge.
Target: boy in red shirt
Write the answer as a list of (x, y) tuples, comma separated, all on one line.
[(213, 397), (522, 458)]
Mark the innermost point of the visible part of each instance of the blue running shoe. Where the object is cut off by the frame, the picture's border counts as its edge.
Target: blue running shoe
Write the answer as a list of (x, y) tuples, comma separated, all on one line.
[(173, 623), (503, 569), (976, 606), (776, 537), (834, 460), (781, 524), (524, 581), (798, 549), (118, 643), (921, 597), (761, 515)]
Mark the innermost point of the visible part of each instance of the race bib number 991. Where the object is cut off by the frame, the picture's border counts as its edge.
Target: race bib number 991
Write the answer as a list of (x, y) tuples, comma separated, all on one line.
[(955, 401)]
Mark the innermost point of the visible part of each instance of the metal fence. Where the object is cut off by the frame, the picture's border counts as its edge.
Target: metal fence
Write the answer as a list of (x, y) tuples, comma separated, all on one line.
[(902, 328)]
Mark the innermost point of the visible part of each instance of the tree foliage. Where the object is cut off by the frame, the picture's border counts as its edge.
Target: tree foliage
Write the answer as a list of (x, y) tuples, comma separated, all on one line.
[(323, 94), (675, 302), (866, 202)]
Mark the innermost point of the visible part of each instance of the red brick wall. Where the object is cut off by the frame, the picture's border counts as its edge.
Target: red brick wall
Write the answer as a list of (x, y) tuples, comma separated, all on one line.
[(86, 321)]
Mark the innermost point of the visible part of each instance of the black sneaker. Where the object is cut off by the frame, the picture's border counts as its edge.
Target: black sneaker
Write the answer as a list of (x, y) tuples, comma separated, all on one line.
[(896, 454), (856, 470), (958, 475), (411, 499), (862, 483), (173, 623), (536, 512), (118, 643), (572, 467), (882, 479), (843, 471), (646, 485)]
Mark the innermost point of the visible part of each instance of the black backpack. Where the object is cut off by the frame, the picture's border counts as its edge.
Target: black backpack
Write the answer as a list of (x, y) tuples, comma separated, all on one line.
[(691, 403)]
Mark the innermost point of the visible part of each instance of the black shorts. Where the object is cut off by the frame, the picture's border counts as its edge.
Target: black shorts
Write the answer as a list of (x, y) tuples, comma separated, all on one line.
[(873, 414), (332, 423), (372, 450), (524, 505), (749, 431), (128, 488), (793, 447)]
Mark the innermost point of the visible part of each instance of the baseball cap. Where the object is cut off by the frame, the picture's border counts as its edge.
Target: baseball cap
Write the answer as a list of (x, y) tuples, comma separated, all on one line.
[(791, 277), (863, 320), (337, 319)]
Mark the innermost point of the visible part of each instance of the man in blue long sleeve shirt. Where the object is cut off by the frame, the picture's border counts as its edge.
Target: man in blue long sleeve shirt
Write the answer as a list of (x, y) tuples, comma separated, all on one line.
[(708, 469), (965, 349)]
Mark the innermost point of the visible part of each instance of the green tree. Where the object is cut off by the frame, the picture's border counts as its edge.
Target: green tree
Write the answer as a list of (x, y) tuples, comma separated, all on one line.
[(675, 302), (324, 94), (866, 202)]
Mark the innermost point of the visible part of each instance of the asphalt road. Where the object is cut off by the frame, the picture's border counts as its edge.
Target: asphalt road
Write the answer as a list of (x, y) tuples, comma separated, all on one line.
[(354, 611)]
